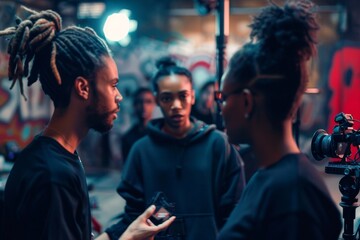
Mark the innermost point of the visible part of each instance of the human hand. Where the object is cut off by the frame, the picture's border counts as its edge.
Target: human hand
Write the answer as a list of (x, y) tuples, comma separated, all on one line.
[(143, 229)]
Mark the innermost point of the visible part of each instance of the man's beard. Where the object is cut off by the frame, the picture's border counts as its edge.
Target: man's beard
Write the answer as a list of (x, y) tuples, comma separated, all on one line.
[(99, 120)]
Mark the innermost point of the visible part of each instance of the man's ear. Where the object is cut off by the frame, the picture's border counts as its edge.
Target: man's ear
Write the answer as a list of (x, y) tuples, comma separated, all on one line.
[(82, 88)]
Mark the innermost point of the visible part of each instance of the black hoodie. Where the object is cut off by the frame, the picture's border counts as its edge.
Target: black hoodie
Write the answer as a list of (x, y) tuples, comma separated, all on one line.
[(202, 174)]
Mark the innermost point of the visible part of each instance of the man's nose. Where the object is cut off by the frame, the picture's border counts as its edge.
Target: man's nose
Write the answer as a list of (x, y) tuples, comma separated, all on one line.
[(118, 98)]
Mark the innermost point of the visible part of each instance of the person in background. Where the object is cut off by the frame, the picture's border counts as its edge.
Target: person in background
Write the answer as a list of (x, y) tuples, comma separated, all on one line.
[(46, 194), (191, 163), (144, 105), (261, 91), (203, 109)]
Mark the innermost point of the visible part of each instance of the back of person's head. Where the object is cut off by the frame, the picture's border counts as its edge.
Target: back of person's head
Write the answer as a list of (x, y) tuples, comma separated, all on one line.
[(274, 62), (58, 55), (167, 67)]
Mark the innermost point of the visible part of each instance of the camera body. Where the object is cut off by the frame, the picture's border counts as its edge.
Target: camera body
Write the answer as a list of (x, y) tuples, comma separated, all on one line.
[(338, 144)]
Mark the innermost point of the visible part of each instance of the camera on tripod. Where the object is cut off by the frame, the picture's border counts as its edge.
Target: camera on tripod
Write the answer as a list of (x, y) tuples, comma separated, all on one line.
[(338, 144)]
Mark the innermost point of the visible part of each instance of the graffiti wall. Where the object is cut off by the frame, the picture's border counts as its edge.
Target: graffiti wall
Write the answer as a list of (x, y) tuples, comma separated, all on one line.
[(21, 119)]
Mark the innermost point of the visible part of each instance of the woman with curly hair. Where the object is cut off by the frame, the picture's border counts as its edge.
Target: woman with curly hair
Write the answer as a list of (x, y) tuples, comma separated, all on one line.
[(261, 92)]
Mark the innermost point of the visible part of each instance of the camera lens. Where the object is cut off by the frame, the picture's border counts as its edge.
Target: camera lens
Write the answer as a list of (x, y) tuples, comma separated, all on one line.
[(322, 145)]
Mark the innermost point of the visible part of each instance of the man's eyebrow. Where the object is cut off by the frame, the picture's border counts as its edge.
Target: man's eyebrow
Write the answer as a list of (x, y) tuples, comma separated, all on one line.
[(178, 92), (184, 91)]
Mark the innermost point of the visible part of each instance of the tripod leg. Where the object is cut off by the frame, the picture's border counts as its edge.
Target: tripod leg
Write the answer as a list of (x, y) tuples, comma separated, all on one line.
[(349, 216)]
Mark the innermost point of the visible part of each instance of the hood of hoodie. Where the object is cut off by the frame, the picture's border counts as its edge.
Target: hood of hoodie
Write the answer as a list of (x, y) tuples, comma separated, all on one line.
[(199, 131)]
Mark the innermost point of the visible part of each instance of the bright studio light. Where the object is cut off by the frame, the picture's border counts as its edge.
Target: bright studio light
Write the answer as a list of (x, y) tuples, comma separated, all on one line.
[(117, 27)]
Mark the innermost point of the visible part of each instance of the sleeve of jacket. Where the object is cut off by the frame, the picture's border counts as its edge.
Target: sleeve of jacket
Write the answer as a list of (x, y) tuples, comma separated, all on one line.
[(131, 190), (231, 180)]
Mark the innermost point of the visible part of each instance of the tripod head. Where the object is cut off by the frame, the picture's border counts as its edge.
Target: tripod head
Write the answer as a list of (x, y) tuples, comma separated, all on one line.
[(349, 188)]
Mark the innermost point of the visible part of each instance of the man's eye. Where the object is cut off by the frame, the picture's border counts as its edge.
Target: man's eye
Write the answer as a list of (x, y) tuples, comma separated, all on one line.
[(183, 97), (165, 99), (114, 84)]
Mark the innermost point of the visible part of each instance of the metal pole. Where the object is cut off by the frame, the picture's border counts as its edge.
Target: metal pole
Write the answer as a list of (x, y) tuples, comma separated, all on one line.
[(222, 33)]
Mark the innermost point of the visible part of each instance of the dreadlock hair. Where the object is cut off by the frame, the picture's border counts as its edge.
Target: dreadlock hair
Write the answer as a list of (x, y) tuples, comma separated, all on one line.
[(58, 55), (166, 67), (274, 62)]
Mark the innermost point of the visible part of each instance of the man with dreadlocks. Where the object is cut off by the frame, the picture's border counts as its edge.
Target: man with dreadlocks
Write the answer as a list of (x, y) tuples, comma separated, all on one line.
[(46, 193)]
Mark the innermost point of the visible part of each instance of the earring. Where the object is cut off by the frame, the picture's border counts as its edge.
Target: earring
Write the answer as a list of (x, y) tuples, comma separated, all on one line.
[(246, 116)]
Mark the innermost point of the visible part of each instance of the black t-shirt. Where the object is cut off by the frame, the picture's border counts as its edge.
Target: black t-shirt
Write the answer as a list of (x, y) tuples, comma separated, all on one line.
[(287, 200), (46, 194)]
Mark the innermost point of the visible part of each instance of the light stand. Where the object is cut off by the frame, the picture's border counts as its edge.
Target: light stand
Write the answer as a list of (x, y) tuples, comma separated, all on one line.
[(222, 33)]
